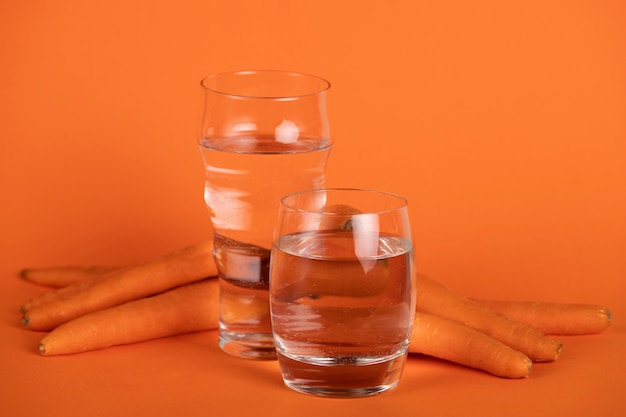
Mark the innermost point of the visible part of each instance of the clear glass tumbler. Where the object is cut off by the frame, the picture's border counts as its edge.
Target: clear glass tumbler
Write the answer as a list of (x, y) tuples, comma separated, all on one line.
[(342, 291), (263, 134)]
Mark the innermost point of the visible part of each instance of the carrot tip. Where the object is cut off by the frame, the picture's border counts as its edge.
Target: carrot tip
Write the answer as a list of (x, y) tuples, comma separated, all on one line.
[(558, 350), (42, 349), (25, 321)]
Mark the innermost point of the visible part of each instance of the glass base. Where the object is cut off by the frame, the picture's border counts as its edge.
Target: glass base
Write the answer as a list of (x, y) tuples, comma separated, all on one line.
[(346, 380), (340, 392), (248, 346)]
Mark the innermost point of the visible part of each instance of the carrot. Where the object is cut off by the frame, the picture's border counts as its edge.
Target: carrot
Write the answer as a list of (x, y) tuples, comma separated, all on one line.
[(157, 275), (62, 276), (185, 309), (193, 307), (554, 318), (436, 299), (64, 293), (452, 341)]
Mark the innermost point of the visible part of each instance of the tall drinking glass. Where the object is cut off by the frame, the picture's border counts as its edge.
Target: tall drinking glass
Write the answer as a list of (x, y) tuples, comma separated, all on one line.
[(342, 291), (263, 134)]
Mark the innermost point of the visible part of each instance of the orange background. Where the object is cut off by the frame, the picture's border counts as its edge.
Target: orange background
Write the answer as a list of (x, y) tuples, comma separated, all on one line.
[(502, 122)]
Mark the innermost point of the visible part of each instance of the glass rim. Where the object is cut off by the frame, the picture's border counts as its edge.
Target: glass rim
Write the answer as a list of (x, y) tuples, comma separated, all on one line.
[(324, 84), (402, 201)]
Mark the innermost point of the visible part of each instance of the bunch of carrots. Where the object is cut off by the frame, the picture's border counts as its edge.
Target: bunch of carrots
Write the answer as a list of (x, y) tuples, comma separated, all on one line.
[(97, 307)]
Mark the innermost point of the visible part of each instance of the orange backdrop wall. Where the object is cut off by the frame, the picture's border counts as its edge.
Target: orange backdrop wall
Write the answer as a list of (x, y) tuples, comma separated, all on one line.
[(502, 122)]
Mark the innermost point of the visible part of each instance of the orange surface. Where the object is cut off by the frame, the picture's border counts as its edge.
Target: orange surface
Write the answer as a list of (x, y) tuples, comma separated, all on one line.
[(504, 123)]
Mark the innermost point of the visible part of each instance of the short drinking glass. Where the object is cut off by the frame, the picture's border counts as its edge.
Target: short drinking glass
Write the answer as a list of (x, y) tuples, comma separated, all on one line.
[(263, 134), (342, 291)]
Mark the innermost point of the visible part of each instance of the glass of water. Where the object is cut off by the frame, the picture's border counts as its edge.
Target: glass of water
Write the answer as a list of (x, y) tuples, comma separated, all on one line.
[(342, 291), (263, 134)]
